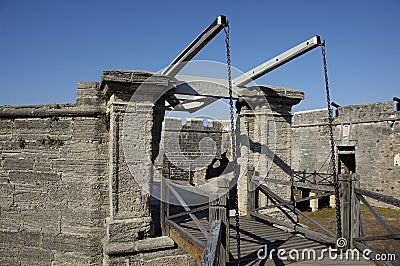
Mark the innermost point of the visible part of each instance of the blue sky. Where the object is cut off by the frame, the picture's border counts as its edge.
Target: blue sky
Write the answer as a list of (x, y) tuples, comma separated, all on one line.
[(46, 47)]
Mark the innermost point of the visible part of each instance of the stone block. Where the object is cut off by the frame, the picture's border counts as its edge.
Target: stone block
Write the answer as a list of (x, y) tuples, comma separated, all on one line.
[(159, 257), (35, 256), (87, 93), (18, 164), (10, 219), (128, 229), (20, 239), (35, 178), (45, 221), (82, 221), (74, 258), (6, 195), (9, 256), (29, 196), (82, 245), (31, 125)]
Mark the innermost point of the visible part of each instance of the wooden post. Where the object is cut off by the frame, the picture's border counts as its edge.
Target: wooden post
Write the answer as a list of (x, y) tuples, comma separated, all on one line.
[(350, 213), (219, 210), (251, 192), (190, 174), (212, 254), (164, 203), (355, 210), (345, 202)]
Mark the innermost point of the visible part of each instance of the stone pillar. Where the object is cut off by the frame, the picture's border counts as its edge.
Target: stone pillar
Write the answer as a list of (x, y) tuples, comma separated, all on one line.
[(313, 202), (332, 201), (135, 132), (268, 128)]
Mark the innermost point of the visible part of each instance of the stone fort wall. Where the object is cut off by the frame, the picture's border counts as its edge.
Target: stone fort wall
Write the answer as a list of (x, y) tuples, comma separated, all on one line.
[(191, 145), (53, 182), (66, 195), (372, 131)]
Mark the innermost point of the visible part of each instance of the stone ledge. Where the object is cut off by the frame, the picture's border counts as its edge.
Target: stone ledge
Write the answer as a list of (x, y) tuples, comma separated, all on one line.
[(45, 111), (274, 94), (127, 230), (133, 77), (150, 244)]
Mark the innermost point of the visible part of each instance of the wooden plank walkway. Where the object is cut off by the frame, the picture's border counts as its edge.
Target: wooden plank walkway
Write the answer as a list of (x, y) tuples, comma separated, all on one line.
[(255, 235)]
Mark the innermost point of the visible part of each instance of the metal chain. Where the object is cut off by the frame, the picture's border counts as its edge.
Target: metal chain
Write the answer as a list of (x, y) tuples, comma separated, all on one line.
[(332, 142), (233, 138)]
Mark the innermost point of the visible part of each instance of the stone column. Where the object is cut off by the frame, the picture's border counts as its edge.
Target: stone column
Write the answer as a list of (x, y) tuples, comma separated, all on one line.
[(269, 131), (135, 131), (314, 202)]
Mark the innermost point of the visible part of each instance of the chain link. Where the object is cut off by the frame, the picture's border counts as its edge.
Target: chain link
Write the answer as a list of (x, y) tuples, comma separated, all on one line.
[(332, 142), (233, 139)]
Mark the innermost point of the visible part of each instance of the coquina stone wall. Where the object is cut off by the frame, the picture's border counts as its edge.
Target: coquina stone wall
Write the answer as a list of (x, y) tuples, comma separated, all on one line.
[(76, 179), (67, 195), (192, 145), (53, 181), (268, 129), (370, 131)]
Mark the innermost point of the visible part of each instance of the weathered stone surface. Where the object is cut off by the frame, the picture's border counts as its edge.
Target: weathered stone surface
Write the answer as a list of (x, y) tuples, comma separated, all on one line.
[(6, 195), (80, 244), (128, 229), (191, 146), (370, 129), (20, 239), (18, 164), (45, 221), (161, 257), (73, 176), (35, 256), (53, 184), (72, 258), (145, 245)]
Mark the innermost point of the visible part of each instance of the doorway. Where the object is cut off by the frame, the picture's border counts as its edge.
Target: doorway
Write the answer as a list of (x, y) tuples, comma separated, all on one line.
[(347, 159)]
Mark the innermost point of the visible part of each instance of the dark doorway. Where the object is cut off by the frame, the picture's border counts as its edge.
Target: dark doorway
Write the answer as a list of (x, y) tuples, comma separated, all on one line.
[(347, 160)]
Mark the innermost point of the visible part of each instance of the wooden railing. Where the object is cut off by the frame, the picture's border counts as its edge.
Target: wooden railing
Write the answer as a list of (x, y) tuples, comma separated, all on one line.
[(214, 253), (353, 228), (287, 208), (207, 252), (351, 195), (312, 180)]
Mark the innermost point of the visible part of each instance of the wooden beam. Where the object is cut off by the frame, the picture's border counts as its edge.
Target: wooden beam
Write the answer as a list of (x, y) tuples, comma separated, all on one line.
[(295, 210), (195, 46), (186, 235), (307, 232), (186, 245), (251, 191), (379, 197), (214, 253), (199, 209), (376, 215), (299, 184), (277, 61)]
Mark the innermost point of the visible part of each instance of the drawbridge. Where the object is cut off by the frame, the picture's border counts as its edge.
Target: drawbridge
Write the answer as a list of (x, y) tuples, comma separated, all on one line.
[(270, 233)]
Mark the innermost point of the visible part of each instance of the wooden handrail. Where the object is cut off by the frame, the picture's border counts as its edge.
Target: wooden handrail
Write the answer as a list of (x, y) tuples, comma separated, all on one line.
[(199, 209), (378, 196), (212, 254), (289, 206)]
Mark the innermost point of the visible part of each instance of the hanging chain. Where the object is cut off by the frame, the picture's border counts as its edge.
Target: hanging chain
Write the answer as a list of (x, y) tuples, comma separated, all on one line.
[(332, 142), (233, 138)]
